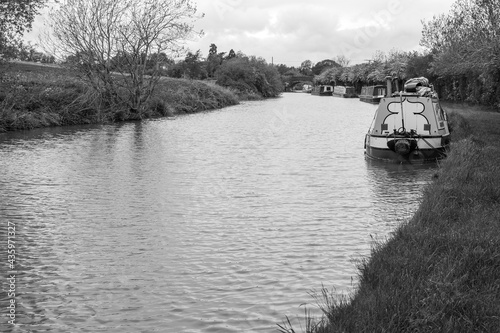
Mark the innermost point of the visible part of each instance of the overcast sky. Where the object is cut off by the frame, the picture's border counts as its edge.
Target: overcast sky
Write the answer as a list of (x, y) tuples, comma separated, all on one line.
[(290, 31)]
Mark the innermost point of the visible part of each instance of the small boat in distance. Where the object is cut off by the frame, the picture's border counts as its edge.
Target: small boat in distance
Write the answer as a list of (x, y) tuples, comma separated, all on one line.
[(322, 90), (372, 94), (307, 88), (346, 92), (409, 126)]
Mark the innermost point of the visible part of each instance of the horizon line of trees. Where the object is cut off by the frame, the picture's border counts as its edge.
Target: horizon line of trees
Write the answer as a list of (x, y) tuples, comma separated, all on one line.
[(247, 75)]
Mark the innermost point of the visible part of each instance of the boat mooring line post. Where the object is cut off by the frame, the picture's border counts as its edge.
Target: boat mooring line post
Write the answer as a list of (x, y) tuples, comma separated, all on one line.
[(402, 114)]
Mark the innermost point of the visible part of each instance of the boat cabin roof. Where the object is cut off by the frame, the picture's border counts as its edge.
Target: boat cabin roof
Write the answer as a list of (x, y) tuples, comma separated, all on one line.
[(411, 112)]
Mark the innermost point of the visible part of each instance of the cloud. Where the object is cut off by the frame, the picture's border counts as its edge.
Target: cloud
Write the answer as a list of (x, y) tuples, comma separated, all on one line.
[(291, 31)]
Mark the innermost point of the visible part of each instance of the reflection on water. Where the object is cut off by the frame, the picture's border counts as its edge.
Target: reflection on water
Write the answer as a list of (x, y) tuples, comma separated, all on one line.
[(214, 222), (397, 188)]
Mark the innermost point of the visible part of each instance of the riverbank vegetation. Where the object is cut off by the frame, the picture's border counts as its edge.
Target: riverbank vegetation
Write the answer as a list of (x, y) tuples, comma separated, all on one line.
[(33, 96), (439, 271)]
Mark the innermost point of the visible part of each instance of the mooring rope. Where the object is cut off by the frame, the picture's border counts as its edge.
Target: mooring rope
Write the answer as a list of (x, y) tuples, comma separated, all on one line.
[(430, 145)]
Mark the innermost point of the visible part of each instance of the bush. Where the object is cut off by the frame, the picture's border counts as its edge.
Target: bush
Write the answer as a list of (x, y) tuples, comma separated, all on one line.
[(249, 76)]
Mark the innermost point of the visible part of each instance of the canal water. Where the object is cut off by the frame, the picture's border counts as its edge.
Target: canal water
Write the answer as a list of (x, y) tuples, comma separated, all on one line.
[(225, 221)]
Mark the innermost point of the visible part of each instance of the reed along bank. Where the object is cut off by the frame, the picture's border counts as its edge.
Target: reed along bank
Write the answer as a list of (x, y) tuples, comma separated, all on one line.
[(34, 95), (440, 271)]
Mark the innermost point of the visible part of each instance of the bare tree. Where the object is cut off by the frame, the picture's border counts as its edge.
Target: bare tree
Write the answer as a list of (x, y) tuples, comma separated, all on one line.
[(343, 61), (114, 44)]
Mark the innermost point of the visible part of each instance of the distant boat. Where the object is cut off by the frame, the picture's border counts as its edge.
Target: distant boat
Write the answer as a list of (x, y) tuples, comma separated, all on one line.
[(322, 90), (409, 126), (372, 94), (346, 92)]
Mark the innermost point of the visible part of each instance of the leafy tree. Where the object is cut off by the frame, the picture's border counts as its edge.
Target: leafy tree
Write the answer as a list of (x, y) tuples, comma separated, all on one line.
[(467, 39), (231, 55), (292, 72), (121, 36), (375, 71), (237, 73), (16, 17), (419, 65), (305, 67), (396, 64), (159, 61), (268, 81), (250, 75), (177, 70), (193, 66), (213, 49), (465, 45), (323, 65), (214, 60), (327, 76), (282, 69)]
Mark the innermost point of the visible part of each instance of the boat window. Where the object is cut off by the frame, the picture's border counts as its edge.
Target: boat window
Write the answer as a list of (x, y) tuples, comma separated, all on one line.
[(441, 116), (380, 91), (439, 112)]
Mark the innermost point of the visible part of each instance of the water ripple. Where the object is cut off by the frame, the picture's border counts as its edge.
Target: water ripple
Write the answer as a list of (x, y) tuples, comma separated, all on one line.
[(214, 222)]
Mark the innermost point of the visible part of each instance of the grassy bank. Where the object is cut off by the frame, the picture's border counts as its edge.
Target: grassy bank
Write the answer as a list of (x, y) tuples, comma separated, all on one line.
[(440, 271), (33, 95)]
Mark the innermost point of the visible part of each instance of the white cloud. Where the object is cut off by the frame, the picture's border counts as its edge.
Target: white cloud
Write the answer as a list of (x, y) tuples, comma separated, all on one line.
[(291, 31)]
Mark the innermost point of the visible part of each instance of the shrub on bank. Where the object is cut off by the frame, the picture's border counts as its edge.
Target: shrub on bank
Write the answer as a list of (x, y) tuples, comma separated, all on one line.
[(187, 96), (250, 76)]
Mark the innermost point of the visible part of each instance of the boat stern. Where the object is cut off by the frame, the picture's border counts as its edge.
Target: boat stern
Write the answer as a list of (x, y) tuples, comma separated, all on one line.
[(408, 126)]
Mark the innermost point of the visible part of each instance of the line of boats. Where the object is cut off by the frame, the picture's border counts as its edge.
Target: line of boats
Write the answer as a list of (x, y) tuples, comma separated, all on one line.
[(409, 125), (369, 94)]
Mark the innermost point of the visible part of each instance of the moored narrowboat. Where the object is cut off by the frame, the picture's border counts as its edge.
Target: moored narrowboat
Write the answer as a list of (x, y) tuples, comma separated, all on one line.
[(322, 90), (345, 92), (372, 94), (409, 126)]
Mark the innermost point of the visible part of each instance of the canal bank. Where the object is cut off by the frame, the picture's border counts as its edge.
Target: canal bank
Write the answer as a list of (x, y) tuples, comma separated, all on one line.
[(440, 271), (36, 95)]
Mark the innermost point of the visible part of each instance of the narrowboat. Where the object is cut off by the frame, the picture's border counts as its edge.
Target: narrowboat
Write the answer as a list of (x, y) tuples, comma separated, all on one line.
[(322, 90), (409, 125), (346, 92), (372, 94)]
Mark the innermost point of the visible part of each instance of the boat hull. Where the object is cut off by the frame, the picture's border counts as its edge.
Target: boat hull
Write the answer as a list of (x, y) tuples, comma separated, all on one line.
[(415, 157), (370, 99), (345, 95), (421, 150)]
